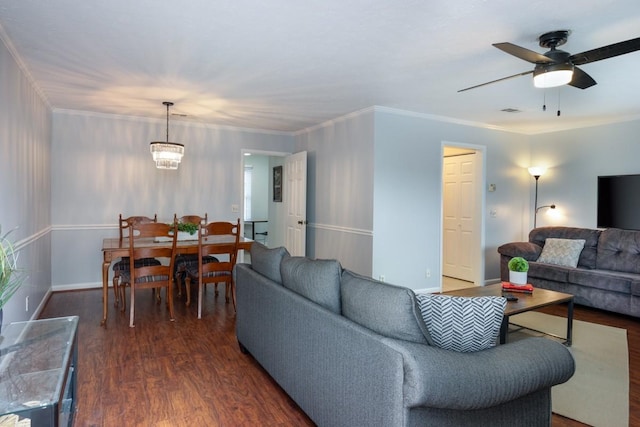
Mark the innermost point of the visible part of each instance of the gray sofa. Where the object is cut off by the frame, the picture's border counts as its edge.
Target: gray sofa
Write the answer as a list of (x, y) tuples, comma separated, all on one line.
[(607, 275), (351, 351)]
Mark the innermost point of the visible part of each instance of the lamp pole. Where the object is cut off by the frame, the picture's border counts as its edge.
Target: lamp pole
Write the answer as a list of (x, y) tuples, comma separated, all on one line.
[(535, 204)]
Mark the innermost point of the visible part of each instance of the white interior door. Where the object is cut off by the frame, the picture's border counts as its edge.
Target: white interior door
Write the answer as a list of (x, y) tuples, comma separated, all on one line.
[(459, 217), (295, 201)]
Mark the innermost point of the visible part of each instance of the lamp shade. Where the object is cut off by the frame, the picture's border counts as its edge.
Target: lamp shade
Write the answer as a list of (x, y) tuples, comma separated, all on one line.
[(553, 75), (537, 171)]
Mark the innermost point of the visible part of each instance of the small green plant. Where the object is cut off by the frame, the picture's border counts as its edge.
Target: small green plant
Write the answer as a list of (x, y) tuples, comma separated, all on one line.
[(11, 277), (188, 227), (518, 264)]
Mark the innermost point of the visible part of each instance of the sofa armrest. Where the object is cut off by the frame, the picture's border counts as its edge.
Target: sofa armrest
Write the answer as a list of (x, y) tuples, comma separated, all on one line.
[(440, 378), (527, 250)]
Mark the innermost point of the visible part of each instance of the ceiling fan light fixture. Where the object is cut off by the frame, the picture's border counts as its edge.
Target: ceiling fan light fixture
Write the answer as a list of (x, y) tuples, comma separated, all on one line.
[(545, 76), (167, 155)]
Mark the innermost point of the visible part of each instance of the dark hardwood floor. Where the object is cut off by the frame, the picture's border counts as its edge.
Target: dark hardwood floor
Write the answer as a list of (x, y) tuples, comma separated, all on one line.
[(191, 372)]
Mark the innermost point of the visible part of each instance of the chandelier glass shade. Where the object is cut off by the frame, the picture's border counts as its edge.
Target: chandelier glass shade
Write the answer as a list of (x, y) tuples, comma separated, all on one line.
[(167, 155)]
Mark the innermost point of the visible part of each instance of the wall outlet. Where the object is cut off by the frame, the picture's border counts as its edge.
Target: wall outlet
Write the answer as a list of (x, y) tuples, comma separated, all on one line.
[(428, 273), (235, 208), (382, 278)]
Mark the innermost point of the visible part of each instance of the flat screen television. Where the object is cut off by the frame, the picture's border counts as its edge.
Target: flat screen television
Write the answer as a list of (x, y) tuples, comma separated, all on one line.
[(619, 202)]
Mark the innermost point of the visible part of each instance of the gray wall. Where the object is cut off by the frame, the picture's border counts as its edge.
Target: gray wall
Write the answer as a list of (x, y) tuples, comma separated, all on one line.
[(102, 167), (340, 190), (408, 192), (25, 193), (575, 159)]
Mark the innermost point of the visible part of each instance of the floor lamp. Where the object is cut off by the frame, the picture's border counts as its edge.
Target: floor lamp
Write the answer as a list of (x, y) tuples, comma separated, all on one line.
[(537, 172)]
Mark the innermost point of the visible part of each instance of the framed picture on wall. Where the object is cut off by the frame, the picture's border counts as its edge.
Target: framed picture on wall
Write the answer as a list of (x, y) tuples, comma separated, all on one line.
[(277, 184)]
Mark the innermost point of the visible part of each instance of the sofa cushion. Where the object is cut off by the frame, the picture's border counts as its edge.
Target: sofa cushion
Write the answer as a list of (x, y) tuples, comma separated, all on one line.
[(588, 255), (619, 250), (602, 279), (556, 273), (565, 252), (463, 324), (267, 261), (317, 280), (389, 310)]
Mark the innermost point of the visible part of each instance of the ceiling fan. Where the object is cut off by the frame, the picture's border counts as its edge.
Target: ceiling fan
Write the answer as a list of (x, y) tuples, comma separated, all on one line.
[(557, 67)]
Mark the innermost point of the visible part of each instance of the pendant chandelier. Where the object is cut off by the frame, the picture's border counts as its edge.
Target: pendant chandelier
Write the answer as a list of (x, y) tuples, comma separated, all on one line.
[(167, 155)]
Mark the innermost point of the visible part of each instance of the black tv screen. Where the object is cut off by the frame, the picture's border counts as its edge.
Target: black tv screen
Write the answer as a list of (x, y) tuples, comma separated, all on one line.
[(619, 202)]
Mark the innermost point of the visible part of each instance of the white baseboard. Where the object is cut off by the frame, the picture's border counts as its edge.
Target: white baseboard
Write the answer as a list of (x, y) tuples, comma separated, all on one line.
[(76, 286)]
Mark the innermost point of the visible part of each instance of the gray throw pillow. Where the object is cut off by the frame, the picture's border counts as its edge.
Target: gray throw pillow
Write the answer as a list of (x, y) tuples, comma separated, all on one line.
[(389, 310), (267, 261), (565, 252), (317, 280), (463, 324)]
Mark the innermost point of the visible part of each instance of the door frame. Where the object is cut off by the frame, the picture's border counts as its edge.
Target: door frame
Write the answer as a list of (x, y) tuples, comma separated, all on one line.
[(242, 161), (480, 204)]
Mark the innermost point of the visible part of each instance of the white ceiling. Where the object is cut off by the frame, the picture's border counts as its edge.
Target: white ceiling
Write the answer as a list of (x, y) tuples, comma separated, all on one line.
[(286, 65)]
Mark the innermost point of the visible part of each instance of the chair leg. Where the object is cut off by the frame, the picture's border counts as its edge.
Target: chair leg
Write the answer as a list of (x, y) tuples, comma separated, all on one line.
[(233, 294), (170, 300), (116, 279), (227, 291), (133, 301), (187, 285), (122, 287), (200, 298)]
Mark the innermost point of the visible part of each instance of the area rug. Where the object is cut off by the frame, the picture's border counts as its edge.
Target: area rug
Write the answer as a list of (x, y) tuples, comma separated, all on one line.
[(598, 393)]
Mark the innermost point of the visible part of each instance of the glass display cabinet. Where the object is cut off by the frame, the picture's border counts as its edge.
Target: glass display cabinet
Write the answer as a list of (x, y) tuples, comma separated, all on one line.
[(38, 372)]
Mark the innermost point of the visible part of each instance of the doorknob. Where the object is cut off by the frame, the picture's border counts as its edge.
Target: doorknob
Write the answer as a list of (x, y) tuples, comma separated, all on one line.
[(301, 222)]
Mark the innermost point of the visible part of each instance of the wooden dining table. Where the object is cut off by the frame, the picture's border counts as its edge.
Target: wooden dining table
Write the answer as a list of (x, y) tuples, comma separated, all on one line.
[(115, 248)]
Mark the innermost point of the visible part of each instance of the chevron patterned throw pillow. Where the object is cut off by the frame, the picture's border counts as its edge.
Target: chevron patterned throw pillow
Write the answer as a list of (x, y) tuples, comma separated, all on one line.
[(462, 324)]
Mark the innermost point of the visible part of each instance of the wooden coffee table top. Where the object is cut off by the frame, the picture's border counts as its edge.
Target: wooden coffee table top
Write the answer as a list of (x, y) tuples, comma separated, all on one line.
[(526, 302)]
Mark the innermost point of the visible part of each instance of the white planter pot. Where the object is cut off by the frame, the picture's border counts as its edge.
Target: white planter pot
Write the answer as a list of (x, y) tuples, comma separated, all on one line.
[(184, 235), (518, 277)]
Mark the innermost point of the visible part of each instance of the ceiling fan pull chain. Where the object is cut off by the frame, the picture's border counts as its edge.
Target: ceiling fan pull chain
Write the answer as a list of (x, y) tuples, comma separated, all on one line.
[(558, 102), (544, 100)]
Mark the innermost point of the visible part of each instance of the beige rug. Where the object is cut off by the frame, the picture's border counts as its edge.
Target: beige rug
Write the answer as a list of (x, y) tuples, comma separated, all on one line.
[(598, 393)]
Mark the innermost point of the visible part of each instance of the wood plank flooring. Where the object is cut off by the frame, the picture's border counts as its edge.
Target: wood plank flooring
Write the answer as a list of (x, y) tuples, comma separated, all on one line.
[(191, 373)]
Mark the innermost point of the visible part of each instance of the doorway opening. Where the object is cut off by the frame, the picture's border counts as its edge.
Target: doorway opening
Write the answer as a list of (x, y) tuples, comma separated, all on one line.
[(462, 231), (262, 217)]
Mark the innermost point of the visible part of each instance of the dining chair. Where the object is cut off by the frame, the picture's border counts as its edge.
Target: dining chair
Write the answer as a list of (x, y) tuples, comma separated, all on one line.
[(123, 264), (218, 239), (141, 276)]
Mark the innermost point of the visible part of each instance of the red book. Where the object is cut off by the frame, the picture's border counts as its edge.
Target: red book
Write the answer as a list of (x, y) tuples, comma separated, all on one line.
[(508, 286)]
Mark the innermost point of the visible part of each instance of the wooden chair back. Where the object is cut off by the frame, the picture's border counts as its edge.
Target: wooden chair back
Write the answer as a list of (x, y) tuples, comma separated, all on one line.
[(220, 240), (193, 219), (125, 223), (145, 275)]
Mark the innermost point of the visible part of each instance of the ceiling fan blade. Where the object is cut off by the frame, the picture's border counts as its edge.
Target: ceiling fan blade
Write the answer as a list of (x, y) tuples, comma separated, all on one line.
[(522, 53), (606, 52), (581, 80), (499, 80)]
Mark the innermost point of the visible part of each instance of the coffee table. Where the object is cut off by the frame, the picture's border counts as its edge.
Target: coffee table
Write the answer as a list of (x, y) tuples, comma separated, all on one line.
[(526, 302)]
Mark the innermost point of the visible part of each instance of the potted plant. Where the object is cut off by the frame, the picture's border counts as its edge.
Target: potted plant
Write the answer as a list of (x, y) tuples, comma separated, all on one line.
[(518, 268), (187, 231), (10, 276)]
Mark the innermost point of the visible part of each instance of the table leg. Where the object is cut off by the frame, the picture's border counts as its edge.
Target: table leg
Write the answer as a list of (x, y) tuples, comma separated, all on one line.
[(569, 323), (504, 329), (105, 289)]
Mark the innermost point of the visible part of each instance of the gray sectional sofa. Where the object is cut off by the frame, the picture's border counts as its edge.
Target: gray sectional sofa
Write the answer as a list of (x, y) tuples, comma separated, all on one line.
[(607, 275), (351, 351)]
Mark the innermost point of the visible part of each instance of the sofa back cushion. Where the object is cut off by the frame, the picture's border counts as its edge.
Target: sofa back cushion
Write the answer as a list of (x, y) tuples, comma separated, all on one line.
[(389, 310), (317, 280), (589, 252), (267, 261), (619, 250)]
